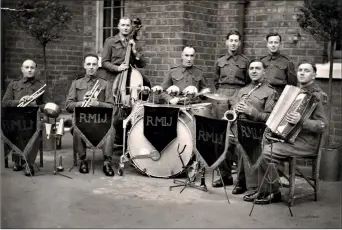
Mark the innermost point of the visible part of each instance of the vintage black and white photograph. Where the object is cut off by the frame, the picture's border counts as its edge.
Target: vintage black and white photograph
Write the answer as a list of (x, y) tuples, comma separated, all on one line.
[(171, 114)]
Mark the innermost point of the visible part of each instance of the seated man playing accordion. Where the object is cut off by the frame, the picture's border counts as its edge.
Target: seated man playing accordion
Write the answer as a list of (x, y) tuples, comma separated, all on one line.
[(305, 143), (19, 93), (78, 96), (255, 102)]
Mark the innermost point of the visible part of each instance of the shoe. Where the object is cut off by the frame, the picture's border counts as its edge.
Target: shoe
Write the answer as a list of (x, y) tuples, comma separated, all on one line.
[(252, 196), (17, 167), (227, 180), (240, 187), (84, 166), (269, 198), (29, 170), (107, 169)]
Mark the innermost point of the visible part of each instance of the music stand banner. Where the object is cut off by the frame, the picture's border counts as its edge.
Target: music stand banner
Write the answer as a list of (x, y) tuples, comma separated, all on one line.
[(160, 125), (250, 134), (20, 127), (93, 124), (211, 140)]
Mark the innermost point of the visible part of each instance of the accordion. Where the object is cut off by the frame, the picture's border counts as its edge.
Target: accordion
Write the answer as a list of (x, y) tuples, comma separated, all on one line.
[(293, 99)]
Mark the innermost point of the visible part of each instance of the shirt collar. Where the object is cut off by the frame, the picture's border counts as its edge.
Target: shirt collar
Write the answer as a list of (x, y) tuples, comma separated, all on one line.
[(90, 78), (185, 68), (274, 55), (234, 55), (26, 79)]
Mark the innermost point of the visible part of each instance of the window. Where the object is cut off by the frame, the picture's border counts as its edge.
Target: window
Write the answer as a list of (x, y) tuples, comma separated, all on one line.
[(109, 13), (338, 50)]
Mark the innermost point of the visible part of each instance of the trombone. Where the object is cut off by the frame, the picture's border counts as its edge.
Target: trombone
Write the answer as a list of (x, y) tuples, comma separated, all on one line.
[(94, 93), (32, 97)]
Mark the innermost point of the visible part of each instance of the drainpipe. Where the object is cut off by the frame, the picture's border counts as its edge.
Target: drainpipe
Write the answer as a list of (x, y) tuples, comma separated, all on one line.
[(241, 19)]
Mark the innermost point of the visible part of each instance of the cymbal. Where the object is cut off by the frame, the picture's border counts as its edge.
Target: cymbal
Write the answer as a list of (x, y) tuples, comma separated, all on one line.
[(216, 96)]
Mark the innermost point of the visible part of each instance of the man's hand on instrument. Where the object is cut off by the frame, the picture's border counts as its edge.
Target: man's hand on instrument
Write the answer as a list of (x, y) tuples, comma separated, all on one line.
[(122, 67), (24, 99), (134, 49), (93, 102), (243, 108), (174, 100), (293, 117), (190, 90)]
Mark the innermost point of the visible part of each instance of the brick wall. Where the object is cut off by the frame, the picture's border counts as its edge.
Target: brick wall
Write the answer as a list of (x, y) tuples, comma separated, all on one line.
[(64, 58)]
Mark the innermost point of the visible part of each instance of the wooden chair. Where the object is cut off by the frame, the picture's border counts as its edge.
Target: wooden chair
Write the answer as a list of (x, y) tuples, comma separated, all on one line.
[(313, 180)]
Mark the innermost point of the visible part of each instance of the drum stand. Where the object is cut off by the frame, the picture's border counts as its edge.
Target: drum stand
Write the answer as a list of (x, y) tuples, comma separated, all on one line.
[(55, 172), (190, 181), (268, 175)]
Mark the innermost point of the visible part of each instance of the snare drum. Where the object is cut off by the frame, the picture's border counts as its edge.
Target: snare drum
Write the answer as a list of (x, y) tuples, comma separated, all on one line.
[(169, 163)]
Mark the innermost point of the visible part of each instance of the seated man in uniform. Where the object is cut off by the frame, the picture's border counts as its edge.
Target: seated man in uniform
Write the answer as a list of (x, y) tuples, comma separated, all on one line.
[(254, 102), (305, 144), (186, 77), (78, 89), (20, 90)]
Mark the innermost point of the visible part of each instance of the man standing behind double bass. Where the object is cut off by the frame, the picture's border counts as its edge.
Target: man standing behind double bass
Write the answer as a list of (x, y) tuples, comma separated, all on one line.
[(113, 60)]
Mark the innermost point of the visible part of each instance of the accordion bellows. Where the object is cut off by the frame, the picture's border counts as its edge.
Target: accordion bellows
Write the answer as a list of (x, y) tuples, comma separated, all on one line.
[(292, 99)]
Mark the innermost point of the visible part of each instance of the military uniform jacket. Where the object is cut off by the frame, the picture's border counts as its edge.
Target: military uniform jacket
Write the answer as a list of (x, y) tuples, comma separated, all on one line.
[(23, 87), (317, 122), (183, 77), (80, 86), (261, 101), (231, 70), (114, 51), (280, 70)]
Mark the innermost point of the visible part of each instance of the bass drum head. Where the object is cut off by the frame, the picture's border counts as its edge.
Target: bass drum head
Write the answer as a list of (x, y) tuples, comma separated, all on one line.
[(169, 164)]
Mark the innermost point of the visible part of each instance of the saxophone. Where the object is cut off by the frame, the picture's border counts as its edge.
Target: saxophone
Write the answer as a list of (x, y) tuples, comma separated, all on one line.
[(231, 115)]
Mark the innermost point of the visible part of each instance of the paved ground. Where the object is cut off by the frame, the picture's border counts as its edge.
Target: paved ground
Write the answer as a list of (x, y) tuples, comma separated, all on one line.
[(137, 201)]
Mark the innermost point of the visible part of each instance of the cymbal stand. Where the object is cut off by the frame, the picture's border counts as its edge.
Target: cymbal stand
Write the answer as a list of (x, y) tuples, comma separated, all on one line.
[(190, 181), (268, 174), (55, 172)]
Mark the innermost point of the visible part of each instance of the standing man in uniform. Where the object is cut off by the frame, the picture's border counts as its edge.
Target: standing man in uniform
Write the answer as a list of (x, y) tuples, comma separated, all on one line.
[(280, 70), (76, 97), (18, 91), (305, 144), (231, 76), (113, 57), (184, 76)]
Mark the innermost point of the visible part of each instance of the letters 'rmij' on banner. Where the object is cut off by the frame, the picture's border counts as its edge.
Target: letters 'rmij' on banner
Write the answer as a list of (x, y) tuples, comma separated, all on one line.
[(211, 140), (160, 125), (250, 134), (20, 127), (93, 124)]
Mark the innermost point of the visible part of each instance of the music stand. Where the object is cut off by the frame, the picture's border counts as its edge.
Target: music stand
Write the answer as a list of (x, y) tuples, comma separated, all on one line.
[(16, 113), (271, 166), (85, 131), (55, 134), (205, 124)]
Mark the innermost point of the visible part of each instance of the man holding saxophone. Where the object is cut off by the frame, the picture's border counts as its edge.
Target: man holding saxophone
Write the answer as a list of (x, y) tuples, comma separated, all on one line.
[(22, 92), (254, 102), (79, 96)]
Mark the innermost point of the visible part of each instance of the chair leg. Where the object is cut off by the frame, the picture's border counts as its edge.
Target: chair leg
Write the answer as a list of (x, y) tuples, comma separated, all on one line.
[(292, 177), (315, 176)]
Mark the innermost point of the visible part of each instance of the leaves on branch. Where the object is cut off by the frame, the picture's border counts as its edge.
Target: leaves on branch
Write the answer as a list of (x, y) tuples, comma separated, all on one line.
[(44, 20)]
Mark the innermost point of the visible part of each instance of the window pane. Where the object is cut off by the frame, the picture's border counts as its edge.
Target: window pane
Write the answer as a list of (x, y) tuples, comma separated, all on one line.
[(107, 3), (106, 17), (338, 45), (115, 31), (117, 16), (106, 34), (117, 2)]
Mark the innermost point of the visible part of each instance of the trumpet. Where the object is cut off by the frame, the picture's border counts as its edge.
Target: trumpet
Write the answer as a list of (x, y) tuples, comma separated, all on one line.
[(94, 93), (231, 115), (32, 97)]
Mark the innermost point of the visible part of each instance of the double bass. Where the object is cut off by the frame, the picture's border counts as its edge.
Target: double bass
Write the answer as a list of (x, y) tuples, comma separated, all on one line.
[(128, 83)]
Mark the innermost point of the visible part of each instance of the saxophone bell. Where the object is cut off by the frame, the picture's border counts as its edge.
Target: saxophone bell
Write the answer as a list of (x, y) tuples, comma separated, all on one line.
[(230, 115)]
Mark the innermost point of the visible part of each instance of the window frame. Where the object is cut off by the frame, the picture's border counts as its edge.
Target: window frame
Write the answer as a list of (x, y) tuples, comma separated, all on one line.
[(100, 20)]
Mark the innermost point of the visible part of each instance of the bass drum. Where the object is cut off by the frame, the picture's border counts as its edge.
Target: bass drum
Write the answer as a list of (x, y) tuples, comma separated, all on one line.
[(169, 163)]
